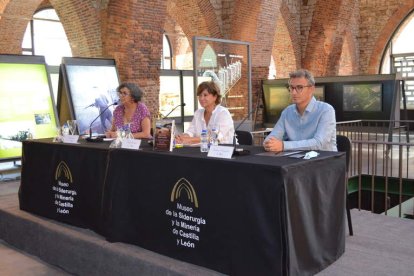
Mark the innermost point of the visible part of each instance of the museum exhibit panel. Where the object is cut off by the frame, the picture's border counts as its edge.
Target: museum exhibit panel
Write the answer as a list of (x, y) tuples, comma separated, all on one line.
[(353, 97), (87, 86), (27, 108)]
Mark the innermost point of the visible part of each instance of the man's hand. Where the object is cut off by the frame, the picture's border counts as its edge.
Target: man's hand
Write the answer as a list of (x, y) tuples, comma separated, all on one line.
[(273, 144)]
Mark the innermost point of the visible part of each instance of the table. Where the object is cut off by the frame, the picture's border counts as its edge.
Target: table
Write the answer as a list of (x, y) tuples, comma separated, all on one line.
[(248, 215), (64, 182)]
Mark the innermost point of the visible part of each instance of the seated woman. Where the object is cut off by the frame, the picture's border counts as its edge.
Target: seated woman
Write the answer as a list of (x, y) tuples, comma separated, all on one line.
[(131, 112), (212, 114)]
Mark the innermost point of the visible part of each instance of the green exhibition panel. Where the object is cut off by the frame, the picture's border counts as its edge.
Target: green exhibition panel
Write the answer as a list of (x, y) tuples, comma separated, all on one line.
[(26, 103)]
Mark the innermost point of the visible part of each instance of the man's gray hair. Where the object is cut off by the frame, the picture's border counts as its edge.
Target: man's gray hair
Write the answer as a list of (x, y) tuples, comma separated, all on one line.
[(303, 73)]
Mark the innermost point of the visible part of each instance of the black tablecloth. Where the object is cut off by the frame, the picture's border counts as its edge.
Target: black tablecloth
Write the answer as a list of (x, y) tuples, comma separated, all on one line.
[(251, 215), (64, 181)]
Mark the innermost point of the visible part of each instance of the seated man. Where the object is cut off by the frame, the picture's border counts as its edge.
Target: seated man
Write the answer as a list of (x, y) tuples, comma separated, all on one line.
[(307, 124)]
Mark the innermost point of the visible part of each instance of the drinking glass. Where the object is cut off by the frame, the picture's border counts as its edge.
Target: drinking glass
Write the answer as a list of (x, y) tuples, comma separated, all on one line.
[(72, 125), (120, 132), (65, 129), (58, 136), (127, 130)]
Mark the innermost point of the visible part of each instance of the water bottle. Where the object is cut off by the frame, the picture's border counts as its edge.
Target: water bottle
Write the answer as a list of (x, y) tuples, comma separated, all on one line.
[(204, 141), (214, 137)]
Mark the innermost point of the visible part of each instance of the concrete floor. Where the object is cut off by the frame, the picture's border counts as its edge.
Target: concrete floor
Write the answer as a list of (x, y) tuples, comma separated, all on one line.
[(14, 262)]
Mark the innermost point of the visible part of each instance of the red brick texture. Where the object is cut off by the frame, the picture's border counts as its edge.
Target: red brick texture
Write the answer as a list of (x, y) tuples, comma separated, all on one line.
[(329, 37)]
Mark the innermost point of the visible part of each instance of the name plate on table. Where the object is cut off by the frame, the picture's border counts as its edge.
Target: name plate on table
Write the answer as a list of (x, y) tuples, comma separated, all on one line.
[(221, 152), (130, 143), (70, 139)]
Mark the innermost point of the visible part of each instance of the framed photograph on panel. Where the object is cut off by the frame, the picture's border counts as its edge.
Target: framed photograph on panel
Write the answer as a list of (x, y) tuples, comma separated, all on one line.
[(228, 64), (89, 86), (276, 98), (319, 93), (362, 97)]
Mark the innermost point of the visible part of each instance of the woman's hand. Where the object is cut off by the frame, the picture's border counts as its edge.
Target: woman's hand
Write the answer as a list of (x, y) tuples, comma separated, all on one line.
[(185, 139), (181, 138), (111, 134)]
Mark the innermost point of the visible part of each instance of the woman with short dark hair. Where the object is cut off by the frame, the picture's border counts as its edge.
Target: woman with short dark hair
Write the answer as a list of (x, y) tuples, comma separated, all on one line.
[(131, 112), (211, 114)]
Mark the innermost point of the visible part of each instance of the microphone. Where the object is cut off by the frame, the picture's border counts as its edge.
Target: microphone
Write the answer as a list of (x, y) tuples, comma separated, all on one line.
[(241, 151), (175, 107), (97, 139)]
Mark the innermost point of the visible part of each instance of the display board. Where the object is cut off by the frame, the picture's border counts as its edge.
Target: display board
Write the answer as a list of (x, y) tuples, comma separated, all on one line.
[(27, 108), (87, 86), (362, 97), (228, 64), (277, 98), (368, 97)]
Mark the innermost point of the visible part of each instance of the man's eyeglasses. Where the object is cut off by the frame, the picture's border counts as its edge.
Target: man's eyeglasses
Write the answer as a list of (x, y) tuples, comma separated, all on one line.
[(298, 88), (123, 94)]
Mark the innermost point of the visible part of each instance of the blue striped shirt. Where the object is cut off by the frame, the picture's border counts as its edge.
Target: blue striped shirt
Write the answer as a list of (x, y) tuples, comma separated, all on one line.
[(314, 130)]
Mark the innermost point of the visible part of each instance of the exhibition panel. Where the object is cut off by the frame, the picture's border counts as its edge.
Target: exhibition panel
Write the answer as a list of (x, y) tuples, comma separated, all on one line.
[(87, 86), (368, 97), (227, 63), (27, 109)]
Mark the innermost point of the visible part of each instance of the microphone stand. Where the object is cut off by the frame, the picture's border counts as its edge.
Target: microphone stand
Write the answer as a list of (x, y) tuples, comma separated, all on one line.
[(97, 139), (172, 110)]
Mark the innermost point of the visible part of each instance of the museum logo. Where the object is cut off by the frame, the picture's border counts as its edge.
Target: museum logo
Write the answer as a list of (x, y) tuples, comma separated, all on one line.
[(63, 193), (184, 215), (184, 187)]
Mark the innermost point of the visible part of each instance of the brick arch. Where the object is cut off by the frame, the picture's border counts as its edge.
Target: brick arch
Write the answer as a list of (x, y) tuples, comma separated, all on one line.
[(196, 18), (180, 45), (82, 24), (266, 26), (244, 20), (133, 36), (325, 40), (386, 35), (348, 64), (286, 44), (14, 23), (256, 24)]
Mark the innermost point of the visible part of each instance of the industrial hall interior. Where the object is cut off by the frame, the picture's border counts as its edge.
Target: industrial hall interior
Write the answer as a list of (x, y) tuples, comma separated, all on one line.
[(206, 137)]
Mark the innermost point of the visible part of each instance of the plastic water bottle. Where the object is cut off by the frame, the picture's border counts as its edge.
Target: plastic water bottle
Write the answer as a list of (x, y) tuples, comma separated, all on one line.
[(204, 141), (214, 137)]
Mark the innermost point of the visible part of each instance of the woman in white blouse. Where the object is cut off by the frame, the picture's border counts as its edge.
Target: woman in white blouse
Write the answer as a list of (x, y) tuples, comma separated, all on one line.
[(211, 115)]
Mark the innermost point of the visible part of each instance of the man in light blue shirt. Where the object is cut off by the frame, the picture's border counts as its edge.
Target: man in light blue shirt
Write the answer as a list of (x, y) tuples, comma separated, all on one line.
[(307, 124)]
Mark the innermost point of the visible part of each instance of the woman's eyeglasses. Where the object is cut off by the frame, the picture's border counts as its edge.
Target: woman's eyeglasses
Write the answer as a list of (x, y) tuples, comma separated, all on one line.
[(123, 94)]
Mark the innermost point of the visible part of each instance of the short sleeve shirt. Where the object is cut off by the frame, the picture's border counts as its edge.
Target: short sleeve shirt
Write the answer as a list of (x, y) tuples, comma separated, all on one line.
[(135, 124)]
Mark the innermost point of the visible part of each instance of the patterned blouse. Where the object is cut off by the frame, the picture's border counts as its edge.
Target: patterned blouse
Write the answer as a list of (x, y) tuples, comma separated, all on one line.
[(140, 114)]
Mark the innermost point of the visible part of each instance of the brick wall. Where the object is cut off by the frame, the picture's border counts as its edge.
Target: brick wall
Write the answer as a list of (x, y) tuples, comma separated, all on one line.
[(286, 49), (329, 37), (330, 21), (82, 23), (13, 24), (378, 21), (133, 36)]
